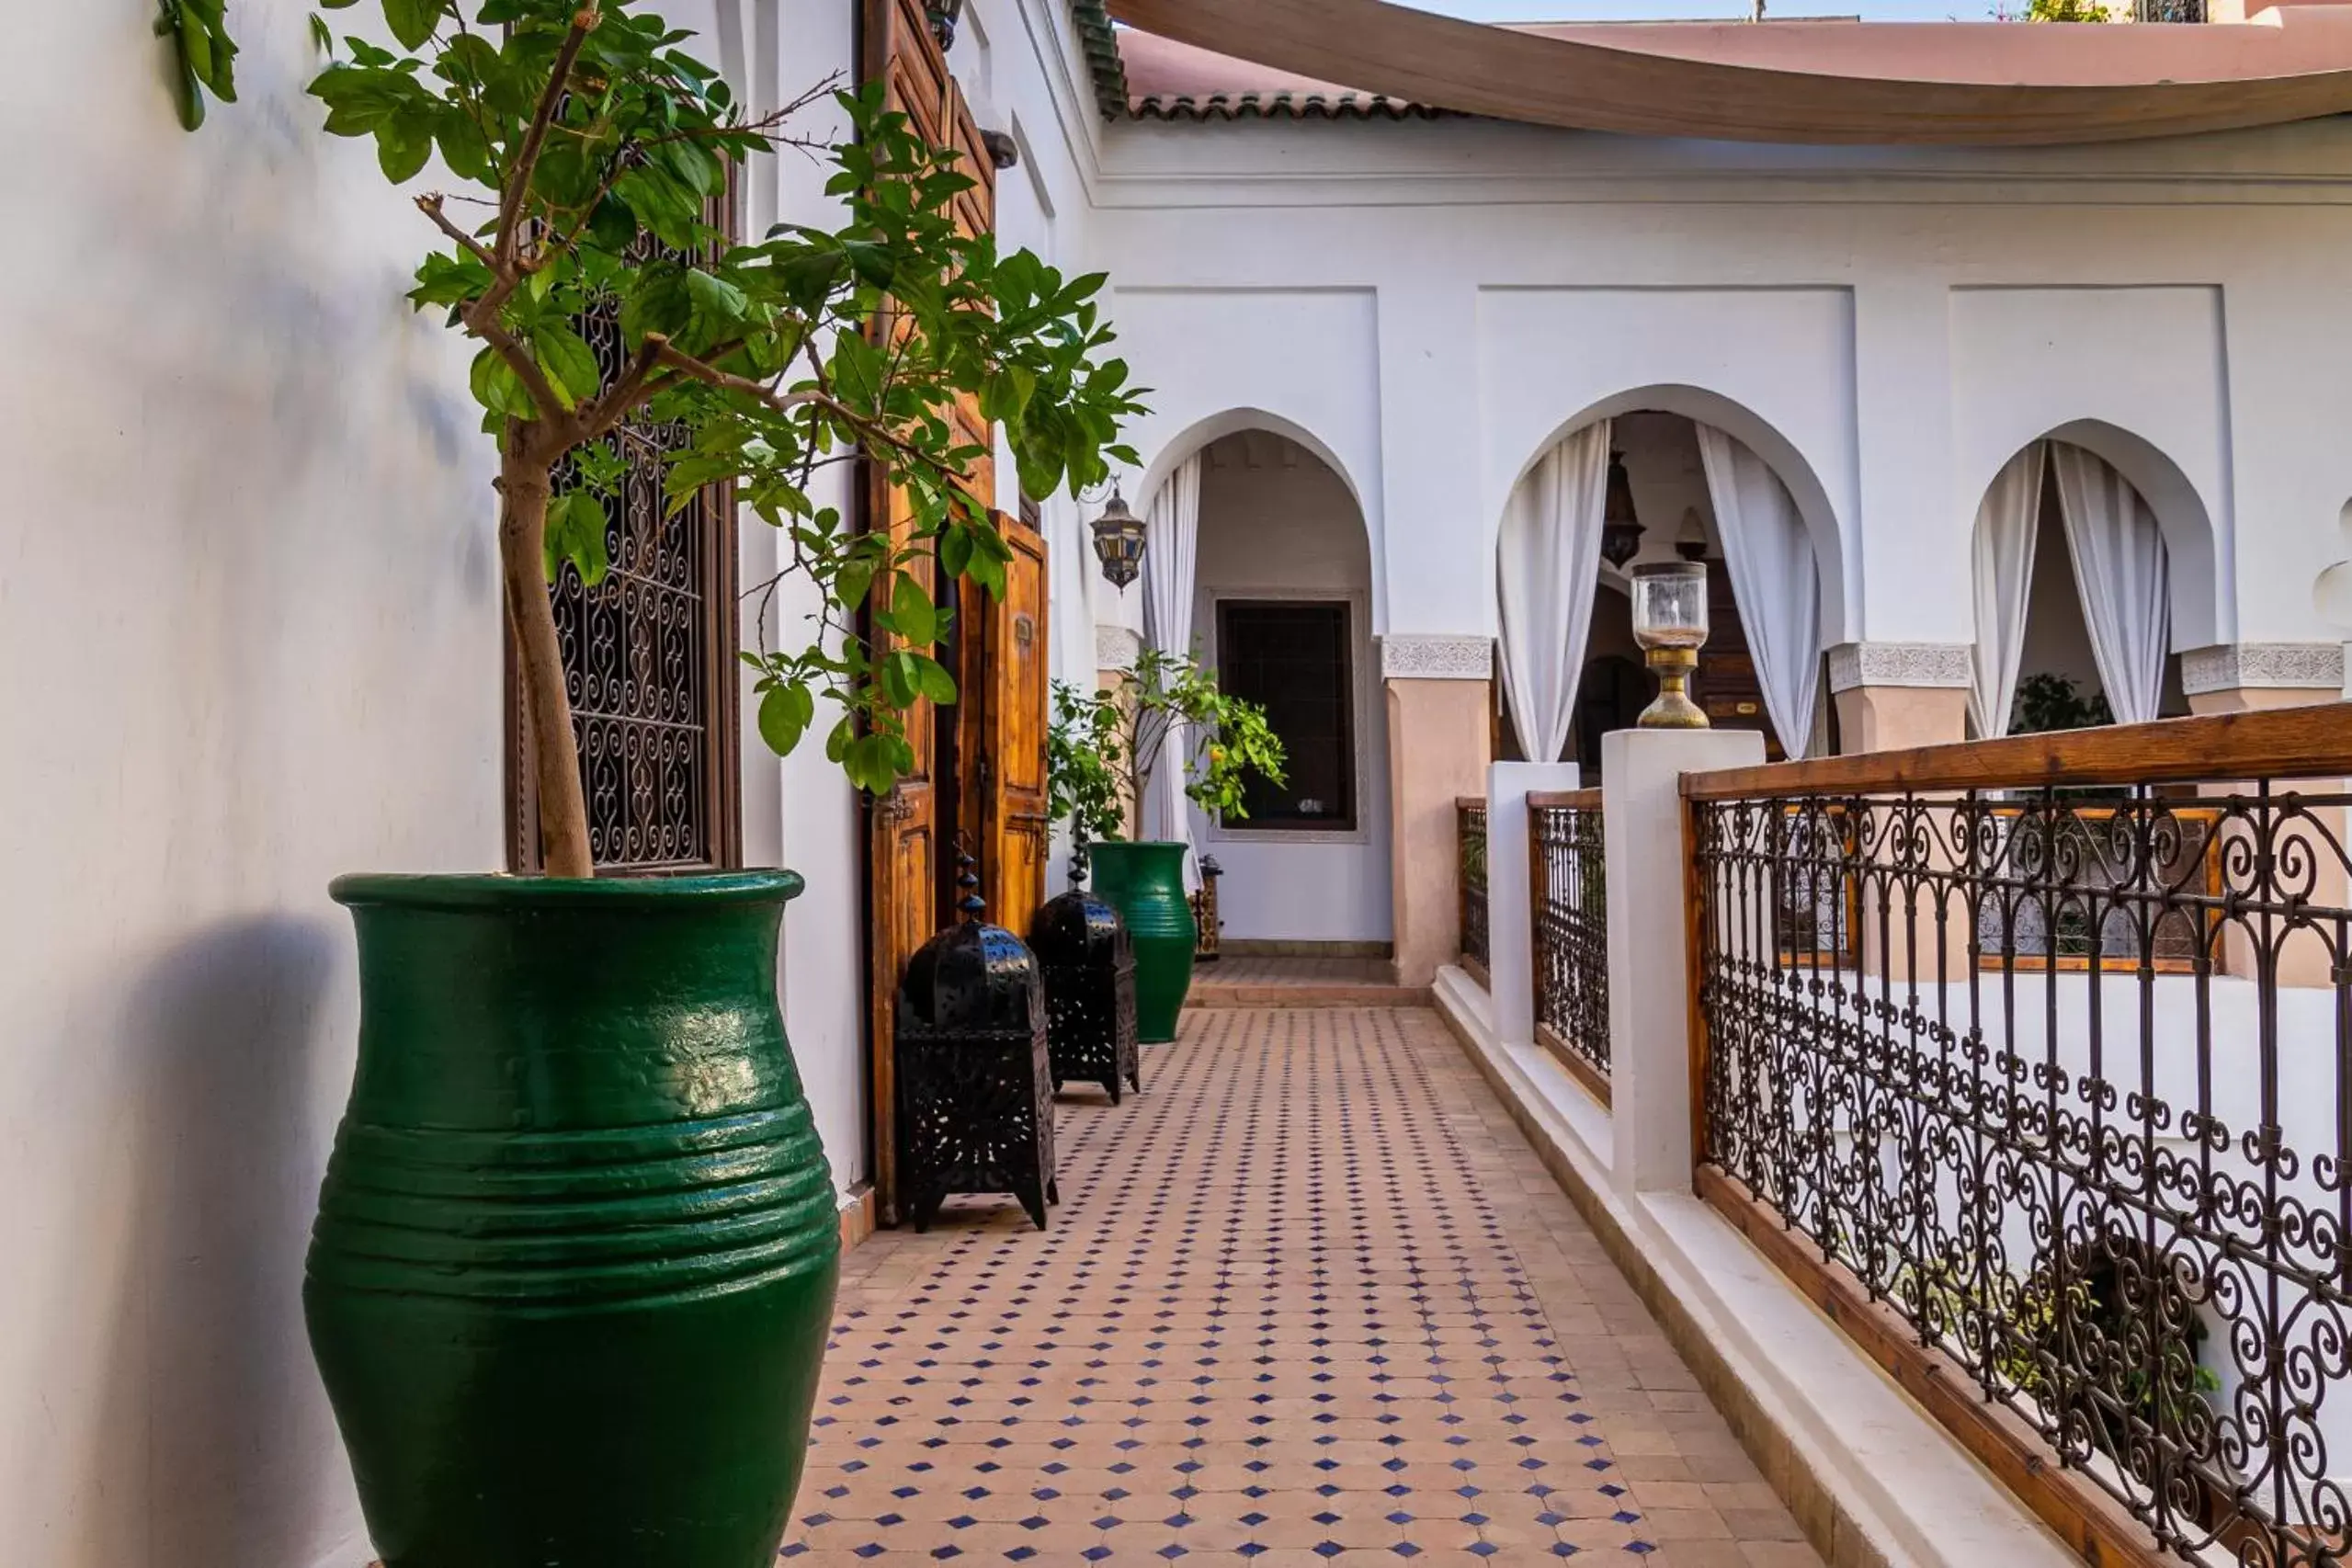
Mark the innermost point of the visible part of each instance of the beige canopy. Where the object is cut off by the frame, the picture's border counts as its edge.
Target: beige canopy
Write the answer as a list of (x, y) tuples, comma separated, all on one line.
[(1796, 82)]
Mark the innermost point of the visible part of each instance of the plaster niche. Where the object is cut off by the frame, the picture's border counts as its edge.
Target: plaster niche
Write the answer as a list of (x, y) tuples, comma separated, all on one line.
[(2332, 593)]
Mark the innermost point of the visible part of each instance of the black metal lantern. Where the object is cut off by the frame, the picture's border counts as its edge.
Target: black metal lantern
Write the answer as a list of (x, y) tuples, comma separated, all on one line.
[(1620, 528), (1089, 964), (975, 1084), (944, 14), (1210, 945), (1118, 543)]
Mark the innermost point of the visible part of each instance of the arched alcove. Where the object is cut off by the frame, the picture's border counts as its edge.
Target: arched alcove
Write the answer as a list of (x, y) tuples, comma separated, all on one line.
[(1282, 609), (1665, 480), (2203, 602), (2056, 644), (1788, 464)]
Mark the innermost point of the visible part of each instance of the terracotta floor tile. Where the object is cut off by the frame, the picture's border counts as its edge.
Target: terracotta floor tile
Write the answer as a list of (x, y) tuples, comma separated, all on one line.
[(1310, 1302)]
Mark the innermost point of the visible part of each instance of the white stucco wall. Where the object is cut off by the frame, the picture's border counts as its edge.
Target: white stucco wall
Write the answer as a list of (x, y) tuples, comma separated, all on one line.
[(253, 631), (1886, 326)]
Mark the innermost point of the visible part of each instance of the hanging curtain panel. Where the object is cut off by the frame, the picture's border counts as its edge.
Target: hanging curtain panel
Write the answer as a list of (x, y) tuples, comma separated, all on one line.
[(1548, 565), (2006, 526), (1774, 579), (2123, 575), (1171, 545)]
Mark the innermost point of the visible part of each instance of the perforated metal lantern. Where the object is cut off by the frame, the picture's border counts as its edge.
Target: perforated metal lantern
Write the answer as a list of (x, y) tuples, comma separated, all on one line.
[(1089, 961), (975, 1084)]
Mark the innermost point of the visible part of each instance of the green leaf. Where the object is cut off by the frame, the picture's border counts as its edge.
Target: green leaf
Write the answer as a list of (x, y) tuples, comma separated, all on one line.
[(401, 150), (569, 362), (935, 682), (785, 714), (575, 532), (413, 21)]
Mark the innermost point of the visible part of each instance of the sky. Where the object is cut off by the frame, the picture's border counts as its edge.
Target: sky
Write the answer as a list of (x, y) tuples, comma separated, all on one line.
[(1677, 10)]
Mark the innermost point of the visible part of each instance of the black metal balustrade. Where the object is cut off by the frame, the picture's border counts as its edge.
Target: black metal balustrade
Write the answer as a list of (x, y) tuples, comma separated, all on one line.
[(1571, 928), (2064, 1078), (1469, 826)]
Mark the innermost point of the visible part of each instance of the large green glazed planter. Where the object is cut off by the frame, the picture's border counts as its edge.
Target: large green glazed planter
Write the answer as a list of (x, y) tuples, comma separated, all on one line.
[(1145, 883), (576, 1251)]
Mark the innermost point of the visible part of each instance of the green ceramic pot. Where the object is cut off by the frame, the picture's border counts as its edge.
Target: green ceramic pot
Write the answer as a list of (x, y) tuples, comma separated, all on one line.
[(1145, 883), (575, 1255)]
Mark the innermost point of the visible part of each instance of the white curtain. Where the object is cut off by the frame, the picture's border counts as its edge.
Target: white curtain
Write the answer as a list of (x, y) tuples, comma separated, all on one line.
[(1171, 543), (1548, 567), (2120, 568), (1775, 578), (2006, 527)]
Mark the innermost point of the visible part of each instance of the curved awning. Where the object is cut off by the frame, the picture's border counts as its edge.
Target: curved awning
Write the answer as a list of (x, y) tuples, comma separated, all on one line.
[(1982, 84)]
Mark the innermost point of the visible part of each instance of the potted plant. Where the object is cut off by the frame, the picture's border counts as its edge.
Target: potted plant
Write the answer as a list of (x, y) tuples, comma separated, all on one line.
[(576, 1248), (1104, 750)]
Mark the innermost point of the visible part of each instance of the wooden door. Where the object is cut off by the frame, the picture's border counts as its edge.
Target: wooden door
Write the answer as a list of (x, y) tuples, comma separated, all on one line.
[(1003, 771), (909, 851)]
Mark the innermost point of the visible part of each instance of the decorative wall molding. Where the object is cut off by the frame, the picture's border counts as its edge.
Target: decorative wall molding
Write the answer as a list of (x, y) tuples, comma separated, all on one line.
[(2236, 666), (1422, 658), (1941, 664), (1116, 647)]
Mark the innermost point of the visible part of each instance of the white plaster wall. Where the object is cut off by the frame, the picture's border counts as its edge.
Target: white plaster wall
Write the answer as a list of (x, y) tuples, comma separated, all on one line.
[(1888, 315), (252, 631), (802, 811), (1275, 523)]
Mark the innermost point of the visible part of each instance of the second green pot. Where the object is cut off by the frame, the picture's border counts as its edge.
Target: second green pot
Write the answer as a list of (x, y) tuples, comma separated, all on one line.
[(1145, 883)]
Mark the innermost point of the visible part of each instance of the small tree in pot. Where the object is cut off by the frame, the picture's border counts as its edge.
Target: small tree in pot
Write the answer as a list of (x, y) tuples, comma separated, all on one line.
[(1105, 750), (577, 1249)]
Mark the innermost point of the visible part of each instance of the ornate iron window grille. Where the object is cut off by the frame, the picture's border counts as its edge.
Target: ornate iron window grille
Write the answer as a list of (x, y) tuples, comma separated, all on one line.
[(649, 660), (2116, 1198), (1571, 920), (1469, 827)]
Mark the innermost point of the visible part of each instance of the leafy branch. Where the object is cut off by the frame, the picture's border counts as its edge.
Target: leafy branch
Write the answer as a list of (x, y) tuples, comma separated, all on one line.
[(1104, 748), (604, 151)]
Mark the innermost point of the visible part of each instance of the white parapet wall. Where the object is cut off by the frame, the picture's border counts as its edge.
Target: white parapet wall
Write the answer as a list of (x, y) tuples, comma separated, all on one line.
[(1874, 1478)]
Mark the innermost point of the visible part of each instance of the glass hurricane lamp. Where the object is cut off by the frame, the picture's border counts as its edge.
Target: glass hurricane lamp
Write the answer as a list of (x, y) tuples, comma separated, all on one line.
[(1118, 543), (1670, 624)]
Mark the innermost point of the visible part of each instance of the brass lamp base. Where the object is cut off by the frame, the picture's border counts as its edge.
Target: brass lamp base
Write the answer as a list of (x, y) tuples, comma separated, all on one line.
[(1674, 710)]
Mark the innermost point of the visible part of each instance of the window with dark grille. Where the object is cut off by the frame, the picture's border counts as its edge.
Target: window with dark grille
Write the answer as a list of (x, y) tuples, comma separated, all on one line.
[(1294, 660), (648, 656)]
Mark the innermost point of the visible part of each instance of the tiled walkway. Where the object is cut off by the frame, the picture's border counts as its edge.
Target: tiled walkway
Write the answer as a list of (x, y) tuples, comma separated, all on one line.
[(1309, 1301)]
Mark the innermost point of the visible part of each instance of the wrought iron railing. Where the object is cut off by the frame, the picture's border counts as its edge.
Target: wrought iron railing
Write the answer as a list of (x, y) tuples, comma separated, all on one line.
[(2108, 1202), (1571, 926), (1469, 829)]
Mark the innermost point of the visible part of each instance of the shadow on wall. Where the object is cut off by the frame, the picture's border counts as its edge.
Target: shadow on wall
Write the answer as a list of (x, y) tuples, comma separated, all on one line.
[(210, 1437)]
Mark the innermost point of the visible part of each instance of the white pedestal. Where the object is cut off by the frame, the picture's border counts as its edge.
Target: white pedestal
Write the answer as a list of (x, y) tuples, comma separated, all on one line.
[(1510, 915), (1649, 983)]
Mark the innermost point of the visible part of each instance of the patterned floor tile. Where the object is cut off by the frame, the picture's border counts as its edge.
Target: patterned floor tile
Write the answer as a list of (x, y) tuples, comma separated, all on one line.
[(1311, 1301)]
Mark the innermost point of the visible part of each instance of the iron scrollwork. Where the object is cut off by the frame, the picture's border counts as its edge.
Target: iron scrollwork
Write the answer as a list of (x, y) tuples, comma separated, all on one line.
[(1571, 930), (2067, 1080)]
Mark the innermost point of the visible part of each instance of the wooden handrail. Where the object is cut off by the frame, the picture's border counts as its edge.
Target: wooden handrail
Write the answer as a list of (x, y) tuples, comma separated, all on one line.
[(1564, 799), (1465, 802), (2312, 742)]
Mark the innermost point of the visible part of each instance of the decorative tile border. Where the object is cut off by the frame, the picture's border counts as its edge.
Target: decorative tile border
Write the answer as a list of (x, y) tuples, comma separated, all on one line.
[(2236, 667), (1938, 664), (1422, 657)]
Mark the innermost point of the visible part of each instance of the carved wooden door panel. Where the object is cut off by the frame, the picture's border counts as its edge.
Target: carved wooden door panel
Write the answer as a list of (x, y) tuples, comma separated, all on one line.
[(910, 848), (1014, 831)]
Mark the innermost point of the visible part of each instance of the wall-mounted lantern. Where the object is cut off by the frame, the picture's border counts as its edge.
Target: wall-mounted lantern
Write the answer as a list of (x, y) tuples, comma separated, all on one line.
[(1118, 543), (944, 14)]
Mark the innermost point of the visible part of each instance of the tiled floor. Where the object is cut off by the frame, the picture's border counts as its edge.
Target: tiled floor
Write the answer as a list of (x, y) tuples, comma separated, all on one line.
[(1309, 1301), (1258, 969), (1253, 980)]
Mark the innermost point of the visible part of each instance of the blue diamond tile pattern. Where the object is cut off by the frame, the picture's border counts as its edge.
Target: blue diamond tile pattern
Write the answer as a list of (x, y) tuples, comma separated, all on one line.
[(1309, 1300)]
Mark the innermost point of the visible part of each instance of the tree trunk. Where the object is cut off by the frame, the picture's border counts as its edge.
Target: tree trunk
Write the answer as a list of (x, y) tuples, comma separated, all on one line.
[(527, 485)]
